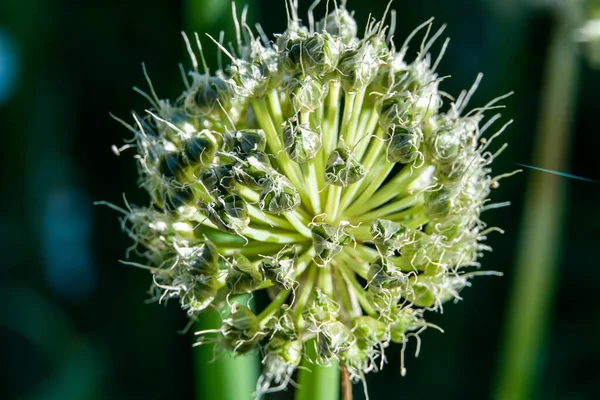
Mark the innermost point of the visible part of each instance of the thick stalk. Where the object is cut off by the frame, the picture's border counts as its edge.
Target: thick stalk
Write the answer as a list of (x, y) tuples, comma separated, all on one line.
[(540, 242), (317, 382), (213, 379)]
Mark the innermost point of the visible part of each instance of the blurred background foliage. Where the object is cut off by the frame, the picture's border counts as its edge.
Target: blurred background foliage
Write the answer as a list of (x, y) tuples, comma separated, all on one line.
[(73, 323)]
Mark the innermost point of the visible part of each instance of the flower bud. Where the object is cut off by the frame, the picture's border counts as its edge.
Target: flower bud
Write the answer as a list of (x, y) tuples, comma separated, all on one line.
[(280, 269), (439, 203), (201, 148), (170, 164), (406, 320), (249, 79), (342, 168), (307, 94), (207, 95), (240, 331), (320, 308), (204, 260), (358, 67), (388, 235), (282, 357), (229, 213), (328, 241), (403, 145), (333, 338), (301, 142), (369, 331), (279, 196), (200, 295), (320, 54), (340, 23), (218, 180), (383, 274), (246, 141), (254, 172), (243, 276)]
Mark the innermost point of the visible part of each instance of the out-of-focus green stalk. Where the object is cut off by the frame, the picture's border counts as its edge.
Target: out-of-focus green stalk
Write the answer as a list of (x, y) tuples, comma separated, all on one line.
[(316, 382), (227, 377), (540, 243)]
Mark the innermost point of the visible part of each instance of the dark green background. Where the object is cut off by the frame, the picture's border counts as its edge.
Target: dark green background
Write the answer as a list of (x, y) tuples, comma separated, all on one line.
[(73, 323)]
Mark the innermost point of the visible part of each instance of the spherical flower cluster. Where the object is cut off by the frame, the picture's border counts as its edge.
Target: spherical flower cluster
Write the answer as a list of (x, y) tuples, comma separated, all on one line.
[(323, 169)]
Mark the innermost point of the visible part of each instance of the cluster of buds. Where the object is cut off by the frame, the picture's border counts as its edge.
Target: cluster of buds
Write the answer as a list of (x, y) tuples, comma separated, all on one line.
[(325, 170)]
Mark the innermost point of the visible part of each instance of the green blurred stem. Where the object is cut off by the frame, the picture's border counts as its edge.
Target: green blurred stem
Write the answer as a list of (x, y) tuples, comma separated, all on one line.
[(227, 377), (317, 382), (540, 244)]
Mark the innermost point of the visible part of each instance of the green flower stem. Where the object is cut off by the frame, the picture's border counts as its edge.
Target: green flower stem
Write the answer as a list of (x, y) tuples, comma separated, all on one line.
[(317, 382), (213, 379), (356, 113), (364, 200), (368, 129), (274, 142), (304, 260), (401, 204), (358, 266), (273, 307), (398, 186), (334, 193), (350, 193), (343, 294), (305, 291), (331, 129), (275, 107), (357, 289), (298, 224), (257, 216), (349, 98), (325, 281), (271, 236)]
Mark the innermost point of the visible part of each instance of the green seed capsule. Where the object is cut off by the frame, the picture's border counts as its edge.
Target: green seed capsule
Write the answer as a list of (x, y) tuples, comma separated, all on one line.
[(439, 203), (280, 269), (217, 180), (340, 23), (254, 172), (369, 331), (320, 54), (207, 96), (200, 296), (229, 213), (279, 196), (333, 338), (384, 275), (204, 260), (243, 276), (240, 331), (301, 142), (250, 79), (179, 197), (200, 149), (328, 242), (307, 93), (342, 168), (245, 141), (388, 235), (170, 164), (403, 145)]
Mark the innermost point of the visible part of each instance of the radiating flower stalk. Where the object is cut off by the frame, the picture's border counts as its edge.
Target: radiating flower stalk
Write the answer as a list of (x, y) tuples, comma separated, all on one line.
[(323, 169)]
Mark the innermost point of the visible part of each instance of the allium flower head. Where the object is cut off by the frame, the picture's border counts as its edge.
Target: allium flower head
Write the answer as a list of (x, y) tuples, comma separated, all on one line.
[(325, 169)]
